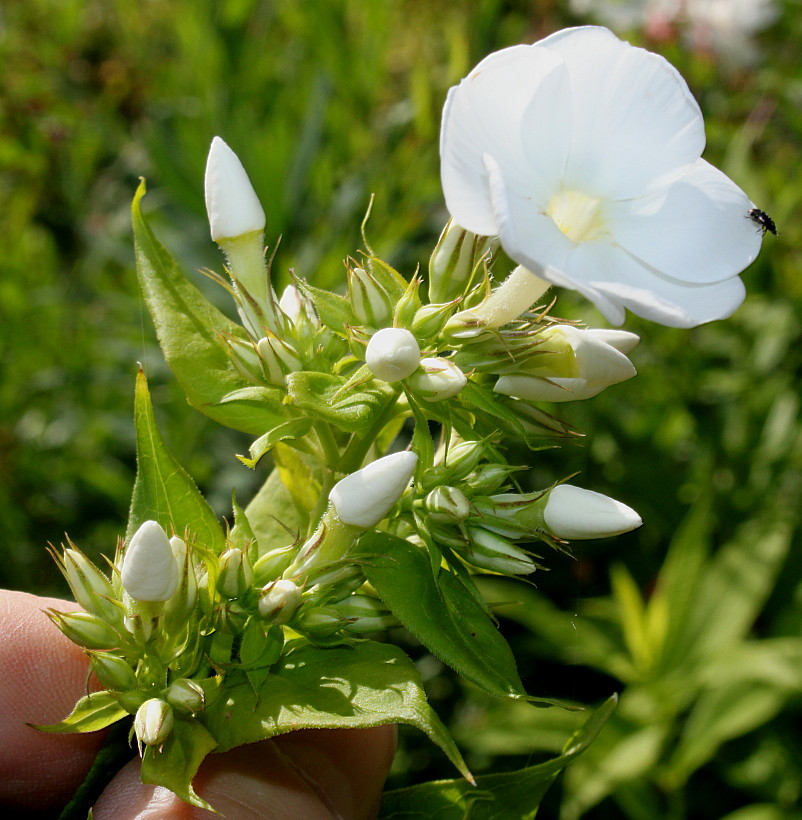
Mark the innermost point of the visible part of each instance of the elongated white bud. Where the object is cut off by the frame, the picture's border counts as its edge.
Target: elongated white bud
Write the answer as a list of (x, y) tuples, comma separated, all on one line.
[(575, 514), (392, 354), (363, 498), (153, 722), (149, 571), (231, 203)]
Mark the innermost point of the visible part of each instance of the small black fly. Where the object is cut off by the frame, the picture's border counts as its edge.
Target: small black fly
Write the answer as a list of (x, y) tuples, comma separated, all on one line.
[(762, 220)]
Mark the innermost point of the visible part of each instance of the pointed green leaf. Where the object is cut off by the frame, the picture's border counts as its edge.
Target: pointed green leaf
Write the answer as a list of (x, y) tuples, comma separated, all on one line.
[(361, 685), (509, 796), (92, 712), (163, 490), (188, 329), (295, 428), (441, 613), (334, 311), (176, 761)]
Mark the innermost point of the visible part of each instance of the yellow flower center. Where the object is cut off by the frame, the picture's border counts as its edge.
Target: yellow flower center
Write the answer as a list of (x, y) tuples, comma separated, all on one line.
[(579, 216)]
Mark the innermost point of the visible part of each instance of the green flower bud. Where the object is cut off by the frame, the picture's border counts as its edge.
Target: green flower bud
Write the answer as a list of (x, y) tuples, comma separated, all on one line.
[(463, 458), (370, 301), (364, 613), (447, 504), (186, 695), (244, 357), (85, 629), (334, 583), (490, 551), (231, 618), (278, 359), (272, 564), (430, 319), (408, 305), (112, 671), (153, 722), (236, 574), (320, 621), (279, 601), (488, 477), (91, 588), (455, 258), (437, 379), (183, 600)]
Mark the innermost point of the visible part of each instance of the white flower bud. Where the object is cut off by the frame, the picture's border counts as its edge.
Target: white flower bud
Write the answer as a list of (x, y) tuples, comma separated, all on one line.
[(370, 301), (392, 354), (279, 601), (153, 722), (574, 513), (447, 504), (231, 202), (236, 573), (149, 571), (573, 364), (363, 498), (295, 305), (437, 379)]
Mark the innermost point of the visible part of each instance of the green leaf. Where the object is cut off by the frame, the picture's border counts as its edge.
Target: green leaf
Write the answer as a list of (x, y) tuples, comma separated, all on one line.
[(509, 796), (361, 685), (328, 398), (163, 490), (441, 613), (188, 329), (176, 761), (242, 535), (301, 477), (92, 712), (295, 428)]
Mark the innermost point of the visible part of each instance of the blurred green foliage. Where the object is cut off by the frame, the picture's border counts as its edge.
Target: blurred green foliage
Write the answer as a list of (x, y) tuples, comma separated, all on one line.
[(327, 102)]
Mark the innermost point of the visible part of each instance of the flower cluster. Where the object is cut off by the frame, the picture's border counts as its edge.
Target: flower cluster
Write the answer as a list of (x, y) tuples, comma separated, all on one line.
[(579, 158)]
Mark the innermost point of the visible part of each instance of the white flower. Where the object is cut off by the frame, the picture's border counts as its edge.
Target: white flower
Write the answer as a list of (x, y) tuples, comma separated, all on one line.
[(583, 363), (574, 513), (392, 354), (583, 154), (363, 498), (437, 379), (149, 571), (231, 203)]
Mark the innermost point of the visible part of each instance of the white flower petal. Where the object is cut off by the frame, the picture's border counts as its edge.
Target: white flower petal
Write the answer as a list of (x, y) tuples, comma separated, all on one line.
[(574, 513), (481, 114), (697, 231), (634, 120), (535, 388)]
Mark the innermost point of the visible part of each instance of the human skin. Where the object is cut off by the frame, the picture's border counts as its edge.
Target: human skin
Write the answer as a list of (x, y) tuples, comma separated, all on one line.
[(309, 775)]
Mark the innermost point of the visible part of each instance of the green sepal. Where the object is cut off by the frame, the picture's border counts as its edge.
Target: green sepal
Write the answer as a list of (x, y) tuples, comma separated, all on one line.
[(175, 763), (388, 277), (92, 712), (254, 395), (365, 684), (440, 612), (163, 490), (328, 398), (334, 311), (497, 796), (288, 430), (189, 328), (242, 535)]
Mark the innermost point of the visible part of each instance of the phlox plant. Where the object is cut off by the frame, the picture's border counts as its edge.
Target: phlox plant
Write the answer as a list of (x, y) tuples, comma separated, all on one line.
[(399, 416)]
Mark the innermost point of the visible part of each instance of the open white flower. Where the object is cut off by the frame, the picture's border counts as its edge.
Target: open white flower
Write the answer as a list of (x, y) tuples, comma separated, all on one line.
[(583, 154), (582, 364)]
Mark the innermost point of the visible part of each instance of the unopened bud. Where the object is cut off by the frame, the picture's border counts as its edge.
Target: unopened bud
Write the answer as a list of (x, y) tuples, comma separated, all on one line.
[(183, 600), (186, 695), (320, 621), (90, 587), (236, 573), (149, 571), (453, 261), (278, 359), (279, 601), (364, 613), (364, 498), (490, 551), (153, 722), (429, 320), (231, 203), (488, 477), (437, 379), (112, 672), (575, 514), (86, 630), (297, 307), (392, 354), (272, 564), (370, 301), (447, 504)]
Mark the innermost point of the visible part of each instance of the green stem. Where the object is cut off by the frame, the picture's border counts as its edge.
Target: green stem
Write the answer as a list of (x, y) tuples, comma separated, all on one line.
[(113, 755), (356, 451)]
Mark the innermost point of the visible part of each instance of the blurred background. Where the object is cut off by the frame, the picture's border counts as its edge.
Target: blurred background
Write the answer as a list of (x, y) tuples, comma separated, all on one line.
[(696, 618)]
